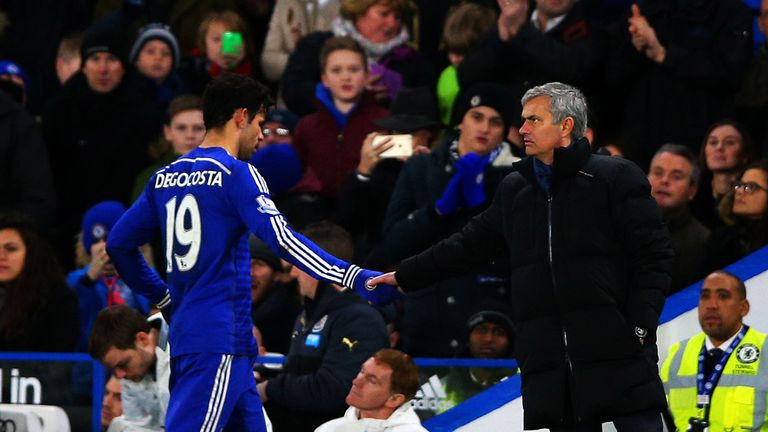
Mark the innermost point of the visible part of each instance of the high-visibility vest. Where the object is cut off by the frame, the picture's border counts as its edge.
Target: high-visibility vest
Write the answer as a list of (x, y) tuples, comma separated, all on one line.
[(739, 400)]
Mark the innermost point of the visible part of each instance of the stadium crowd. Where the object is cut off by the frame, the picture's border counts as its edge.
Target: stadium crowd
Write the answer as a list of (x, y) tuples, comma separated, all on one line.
[(96, 96)]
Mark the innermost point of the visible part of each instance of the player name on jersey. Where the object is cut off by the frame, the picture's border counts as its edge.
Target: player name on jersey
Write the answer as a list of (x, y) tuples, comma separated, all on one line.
[(195, 178)]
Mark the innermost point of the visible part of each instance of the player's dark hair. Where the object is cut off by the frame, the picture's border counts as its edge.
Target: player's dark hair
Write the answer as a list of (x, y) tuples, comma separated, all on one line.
[(116, 326), (228, 93), (405, 373)]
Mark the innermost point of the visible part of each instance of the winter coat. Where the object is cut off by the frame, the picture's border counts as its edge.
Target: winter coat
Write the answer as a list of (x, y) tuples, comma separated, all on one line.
[(570, 53), (51, 328), (303, 71), (334, 335), (590, 261), (97, 144), (708, 48), (330, 151), (404, 419), (26, 182)]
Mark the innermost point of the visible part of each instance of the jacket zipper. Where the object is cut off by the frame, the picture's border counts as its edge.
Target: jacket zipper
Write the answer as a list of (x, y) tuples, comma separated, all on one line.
[(554, 287)]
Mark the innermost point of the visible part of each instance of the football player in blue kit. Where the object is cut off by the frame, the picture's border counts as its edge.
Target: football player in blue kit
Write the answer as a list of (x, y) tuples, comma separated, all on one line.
[(204, 204)]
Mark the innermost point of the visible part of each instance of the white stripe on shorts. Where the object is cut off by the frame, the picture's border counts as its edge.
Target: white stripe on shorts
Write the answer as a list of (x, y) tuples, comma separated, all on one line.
[(218, 394)]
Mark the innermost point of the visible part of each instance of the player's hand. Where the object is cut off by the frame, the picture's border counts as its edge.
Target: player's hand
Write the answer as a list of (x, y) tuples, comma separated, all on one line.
[(377, 293), (99, 259)]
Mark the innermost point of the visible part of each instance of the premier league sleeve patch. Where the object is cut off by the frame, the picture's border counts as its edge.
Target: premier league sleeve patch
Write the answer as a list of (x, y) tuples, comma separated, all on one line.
[(313, 340), (747, 353), (266, 205)]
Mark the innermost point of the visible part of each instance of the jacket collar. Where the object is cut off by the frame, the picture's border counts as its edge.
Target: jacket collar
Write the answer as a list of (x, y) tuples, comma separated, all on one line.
[(567, 161)]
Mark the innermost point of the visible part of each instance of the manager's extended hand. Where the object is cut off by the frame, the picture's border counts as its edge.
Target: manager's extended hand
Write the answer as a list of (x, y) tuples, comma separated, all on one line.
[(376, 287)]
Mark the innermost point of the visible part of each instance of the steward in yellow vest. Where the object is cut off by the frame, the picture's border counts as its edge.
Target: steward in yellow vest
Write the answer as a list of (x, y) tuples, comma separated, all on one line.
[(718, 379)]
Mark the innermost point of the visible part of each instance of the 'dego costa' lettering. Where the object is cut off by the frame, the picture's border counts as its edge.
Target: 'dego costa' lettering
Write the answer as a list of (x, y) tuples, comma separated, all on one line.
[(195, 178)]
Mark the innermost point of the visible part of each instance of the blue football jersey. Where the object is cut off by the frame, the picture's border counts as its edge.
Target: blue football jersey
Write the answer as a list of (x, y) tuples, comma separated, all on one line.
[(205, 203)]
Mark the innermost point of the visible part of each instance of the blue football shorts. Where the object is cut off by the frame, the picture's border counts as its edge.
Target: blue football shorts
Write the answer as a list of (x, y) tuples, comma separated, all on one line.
[(213, 392)]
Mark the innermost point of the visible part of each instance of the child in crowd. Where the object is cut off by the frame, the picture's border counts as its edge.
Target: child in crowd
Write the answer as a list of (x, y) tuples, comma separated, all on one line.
[(155, 55), (464, 26), (223, 45), (328, 141), (183, 131)]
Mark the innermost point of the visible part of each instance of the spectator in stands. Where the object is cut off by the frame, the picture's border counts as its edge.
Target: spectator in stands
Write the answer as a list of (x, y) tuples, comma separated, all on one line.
[(98, 285), (464, 28), (589, 256), (376, 26), (68, 57), (277, 160), (111, 403), (334, 335), (124, 341), (328, 142), (490, 335), (669, 73), (704, 375), (275, 297), (364, 196), (38, 312), (155, 55), (528, 49), (748, 213), (26, 184), (211, 57), (751, 102), (379, 399), (435, 195), (726, 150), (674, 177), (184, 131), (291, 20), (97, 130), (14, 81)]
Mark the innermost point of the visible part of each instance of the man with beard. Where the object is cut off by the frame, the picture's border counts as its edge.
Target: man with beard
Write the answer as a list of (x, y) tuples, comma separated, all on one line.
[(715, 380), (205, 203)]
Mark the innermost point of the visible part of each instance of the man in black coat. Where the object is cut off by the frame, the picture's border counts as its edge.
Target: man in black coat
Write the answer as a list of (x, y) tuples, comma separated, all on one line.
[(590, 260), (97, 130)]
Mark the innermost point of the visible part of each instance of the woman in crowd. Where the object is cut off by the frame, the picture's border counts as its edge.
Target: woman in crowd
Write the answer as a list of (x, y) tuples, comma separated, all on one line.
[(727, 148), (376, 25), (749, 213), (38, 312)]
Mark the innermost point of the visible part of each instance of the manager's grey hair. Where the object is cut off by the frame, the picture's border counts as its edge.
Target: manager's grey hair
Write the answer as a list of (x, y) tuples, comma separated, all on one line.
[(564, 101)]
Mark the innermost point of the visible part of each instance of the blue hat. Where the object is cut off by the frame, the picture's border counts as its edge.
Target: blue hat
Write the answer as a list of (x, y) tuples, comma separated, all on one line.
[(285, 117), (279, 165), (98, 220), (11, 68)]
